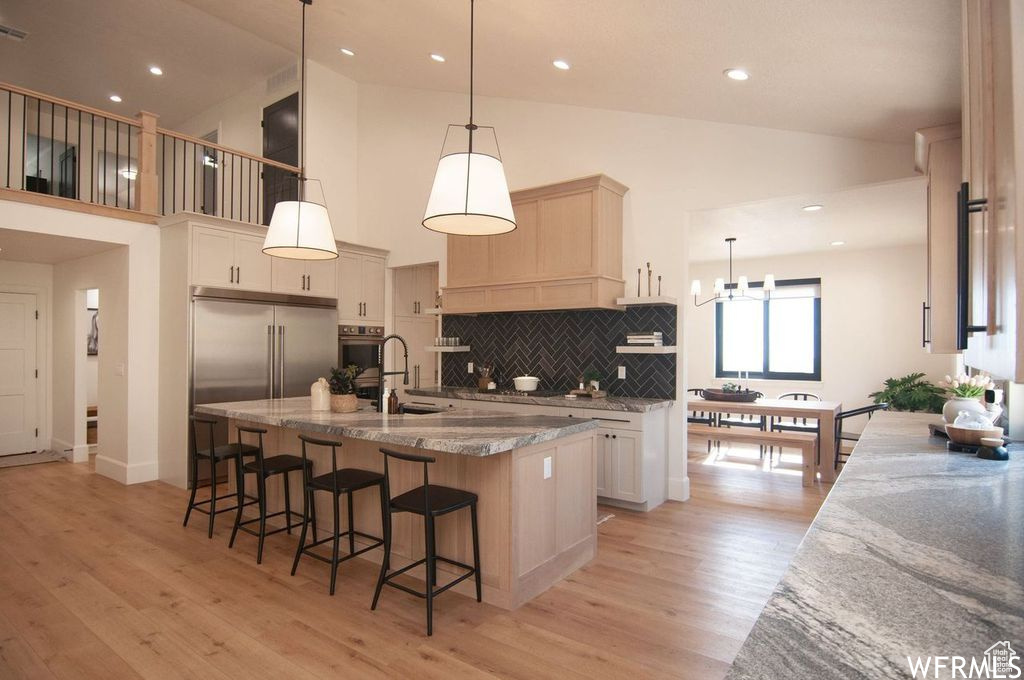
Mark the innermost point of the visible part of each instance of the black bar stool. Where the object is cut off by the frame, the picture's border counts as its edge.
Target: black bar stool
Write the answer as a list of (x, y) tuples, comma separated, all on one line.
[(214, 454), (337, 482), (265, 468), (431, 501)]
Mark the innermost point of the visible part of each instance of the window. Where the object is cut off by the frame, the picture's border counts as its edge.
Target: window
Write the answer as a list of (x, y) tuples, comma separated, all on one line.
[(776, 339)]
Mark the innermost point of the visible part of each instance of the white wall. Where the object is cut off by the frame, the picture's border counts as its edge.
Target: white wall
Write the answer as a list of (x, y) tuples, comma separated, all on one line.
[(28, 277), (128, 279), (870, 321)]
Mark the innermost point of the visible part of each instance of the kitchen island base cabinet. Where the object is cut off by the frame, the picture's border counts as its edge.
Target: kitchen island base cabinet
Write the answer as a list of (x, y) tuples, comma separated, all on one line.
[(537, 516)]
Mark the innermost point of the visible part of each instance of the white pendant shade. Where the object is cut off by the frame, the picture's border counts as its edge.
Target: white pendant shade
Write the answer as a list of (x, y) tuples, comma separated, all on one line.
[(469, 197), (300, 230)]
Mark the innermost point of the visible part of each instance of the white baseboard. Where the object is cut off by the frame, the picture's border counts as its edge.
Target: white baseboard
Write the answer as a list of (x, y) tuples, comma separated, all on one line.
[(679, 489), (136, 473), (72, 454)]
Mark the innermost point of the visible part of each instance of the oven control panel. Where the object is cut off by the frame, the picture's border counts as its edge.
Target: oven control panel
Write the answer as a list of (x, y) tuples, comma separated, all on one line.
[(361, 331)]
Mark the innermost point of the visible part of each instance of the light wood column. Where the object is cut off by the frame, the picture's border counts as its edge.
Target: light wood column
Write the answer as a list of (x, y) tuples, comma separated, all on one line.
[(146, 182)]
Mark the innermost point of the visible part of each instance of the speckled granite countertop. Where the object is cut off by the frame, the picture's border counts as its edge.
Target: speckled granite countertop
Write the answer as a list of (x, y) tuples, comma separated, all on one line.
[(632, 404), (469, 432), (916, 552)]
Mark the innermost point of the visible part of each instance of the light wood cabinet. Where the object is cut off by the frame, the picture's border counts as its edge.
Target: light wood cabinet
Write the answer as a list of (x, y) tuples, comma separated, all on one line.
[(305, 277), (360, 280), (565, 253), (419, 333), (993, 120), (415, 289), (227, 259), (937, 156)]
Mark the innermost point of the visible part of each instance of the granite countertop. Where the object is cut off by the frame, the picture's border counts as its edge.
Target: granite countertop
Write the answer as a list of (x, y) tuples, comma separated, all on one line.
[(632, 404), (915, 552), (470, 432)]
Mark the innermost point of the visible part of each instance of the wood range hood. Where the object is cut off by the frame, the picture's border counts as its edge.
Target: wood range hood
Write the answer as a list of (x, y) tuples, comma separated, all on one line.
[(566, 253)]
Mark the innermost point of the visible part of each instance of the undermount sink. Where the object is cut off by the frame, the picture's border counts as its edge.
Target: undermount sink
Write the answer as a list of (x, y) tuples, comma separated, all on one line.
[(410, 410)]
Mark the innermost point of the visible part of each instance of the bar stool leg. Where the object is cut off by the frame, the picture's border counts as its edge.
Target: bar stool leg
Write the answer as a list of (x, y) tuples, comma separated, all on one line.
[(312, 514), (213, 495), (476, 554), (385, 522), (307, 497), (240, 495), (262, 491), (334, 549), (192, 497), (287, 504), (428, 526), (351, 527)]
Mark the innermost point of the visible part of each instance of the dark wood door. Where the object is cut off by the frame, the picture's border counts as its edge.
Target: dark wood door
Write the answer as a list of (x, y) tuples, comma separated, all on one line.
[(280, 143)]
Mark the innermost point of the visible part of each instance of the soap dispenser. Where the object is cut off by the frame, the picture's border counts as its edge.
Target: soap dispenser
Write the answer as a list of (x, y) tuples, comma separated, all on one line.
[(393, 401)]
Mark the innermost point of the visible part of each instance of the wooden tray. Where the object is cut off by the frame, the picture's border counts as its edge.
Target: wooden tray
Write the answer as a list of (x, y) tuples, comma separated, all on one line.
[(747, 396)]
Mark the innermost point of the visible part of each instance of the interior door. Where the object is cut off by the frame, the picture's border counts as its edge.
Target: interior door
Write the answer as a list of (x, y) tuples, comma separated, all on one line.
[(18, 417), (280, 143), (307, 347), (253, 266), (350, 288)]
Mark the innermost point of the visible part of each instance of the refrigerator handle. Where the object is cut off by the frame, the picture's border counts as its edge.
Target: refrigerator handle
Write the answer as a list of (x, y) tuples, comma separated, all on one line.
[(270, 361), (280, 362)]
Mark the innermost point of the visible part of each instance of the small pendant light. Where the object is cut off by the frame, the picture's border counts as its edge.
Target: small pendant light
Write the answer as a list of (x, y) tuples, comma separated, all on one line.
[(469, 196), (301, 230)]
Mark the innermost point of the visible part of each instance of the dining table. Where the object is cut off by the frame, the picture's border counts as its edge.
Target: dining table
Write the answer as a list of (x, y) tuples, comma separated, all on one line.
[(824, 412)]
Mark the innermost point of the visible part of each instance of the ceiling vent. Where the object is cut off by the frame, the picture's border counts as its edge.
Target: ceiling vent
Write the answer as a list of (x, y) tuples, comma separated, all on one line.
[(283, 78), (12, 33)]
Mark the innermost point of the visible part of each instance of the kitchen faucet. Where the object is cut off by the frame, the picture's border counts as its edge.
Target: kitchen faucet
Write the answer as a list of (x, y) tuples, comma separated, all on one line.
[(381, 372)]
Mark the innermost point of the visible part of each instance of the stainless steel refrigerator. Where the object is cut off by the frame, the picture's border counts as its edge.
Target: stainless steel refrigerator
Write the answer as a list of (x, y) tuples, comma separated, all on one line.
[(258, 346)]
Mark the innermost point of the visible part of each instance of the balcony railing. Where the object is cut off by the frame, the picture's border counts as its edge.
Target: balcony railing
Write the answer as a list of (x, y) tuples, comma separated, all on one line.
[(71, 151)]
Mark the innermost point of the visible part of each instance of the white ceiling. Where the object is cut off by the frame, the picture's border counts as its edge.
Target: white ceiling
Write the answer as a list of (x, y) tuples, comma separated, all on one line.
[(873, 69), (28, 246), (872, 216)]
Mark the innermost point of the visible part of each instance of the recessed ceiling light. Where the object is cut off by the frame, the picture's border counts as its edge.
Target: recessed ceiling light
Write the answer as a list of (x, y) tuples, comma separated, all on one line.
[(115, 98), (129, 174), (156, 70), (347, 52), (561, 64), (736, 74), (838, 243), (438, 58), (814, 207)]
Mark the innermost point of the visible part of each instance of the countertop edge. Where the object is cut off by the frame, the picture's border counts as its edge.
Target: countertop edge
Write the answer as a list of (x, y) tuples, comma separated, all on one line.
[(611, 403)]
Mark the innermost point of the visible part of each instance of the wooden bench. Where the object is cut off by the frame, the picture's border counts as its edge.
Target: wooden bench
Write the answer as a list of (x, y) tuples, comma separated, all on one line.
[(807, 443)]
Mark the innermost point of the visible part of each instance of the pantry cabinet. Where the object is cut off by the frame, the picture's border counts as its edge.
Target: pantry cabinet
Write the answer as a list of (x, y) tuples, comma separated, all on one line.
[(992, 153), (565, 253)]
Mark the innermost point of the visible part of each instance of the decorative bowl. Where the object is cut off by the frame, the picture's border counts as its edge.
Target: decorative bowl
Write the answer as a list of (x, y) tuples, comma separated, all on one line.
[(747, 396), (971, 436)]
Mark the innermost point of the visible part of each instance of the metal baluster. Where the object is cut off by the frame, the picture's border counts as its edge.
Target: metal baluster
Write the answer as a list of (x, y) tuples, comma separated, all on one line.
[(39, 109), (163, 172), (128, 204), (220, 171), (66, 112), (10, 96), (248, 188), (232, 186), (195, 176), (24, 138), (117, 162), (78, 159), (92, 158), (259, 185), (106, 158), (52, 149), (174, 174)]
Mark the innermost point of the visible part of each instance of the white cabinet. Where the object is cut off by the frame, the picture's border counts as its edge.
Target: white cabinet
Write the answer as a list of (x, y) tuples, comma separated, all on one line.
[(625, 463), (305, 277), (228, 259), (360, 289), (415, 289)]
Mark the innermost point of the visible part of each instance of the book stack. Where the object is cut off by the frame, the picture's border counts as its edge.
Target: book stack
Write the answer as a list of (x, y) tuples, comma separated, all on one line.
[(652, 339)]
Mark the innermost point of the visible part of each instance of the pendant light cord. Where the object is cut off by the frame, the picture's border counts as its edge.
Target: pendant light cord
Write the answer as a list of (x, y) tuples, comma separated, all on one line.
[(302, 105), (472, 30)]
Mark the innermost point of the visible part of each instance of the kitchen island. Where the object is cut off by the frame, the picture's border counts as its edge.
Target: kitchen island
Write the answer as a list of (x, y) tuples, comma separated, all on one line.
[(534, 476), (917, 552)]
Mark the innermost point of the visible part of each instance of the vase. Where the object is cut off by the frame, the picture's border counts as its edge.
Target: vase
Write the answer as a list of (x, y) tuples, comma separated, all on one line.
[(344, 403), (952, 408)]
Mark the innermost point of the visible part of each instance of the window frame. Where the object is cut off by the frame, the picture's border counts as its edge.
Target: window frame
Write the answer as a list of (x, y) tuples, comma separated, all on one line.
[(765, 373)]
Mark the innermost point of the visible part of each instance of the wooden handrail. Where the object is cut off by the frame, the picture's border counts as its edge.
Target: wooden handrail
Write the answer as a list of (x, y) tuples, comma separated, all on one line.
[(234, 152), (68, 104)]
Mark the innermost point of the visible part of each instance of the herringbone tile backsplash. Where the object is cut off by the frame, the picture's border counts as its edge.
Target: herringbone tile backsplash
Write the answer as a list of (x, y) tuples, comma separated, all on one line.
[(558, 346)]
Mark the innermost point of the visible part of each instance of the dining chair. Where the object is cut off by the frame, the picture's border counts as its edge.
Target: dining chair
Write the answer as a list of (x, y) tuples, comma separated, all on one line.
[(787, 424), (852, 436), (744, 420), (701, 417)]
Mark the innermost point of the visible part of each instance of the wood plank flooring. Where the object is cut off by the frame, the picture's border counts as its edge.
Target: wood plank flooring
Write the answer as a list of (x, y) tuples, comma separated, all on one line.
[(98, 580)]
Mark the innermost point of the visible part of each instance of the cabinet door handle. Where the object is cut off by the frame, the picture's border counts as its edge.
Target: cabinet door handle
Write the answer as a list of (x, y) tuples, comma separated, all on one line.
[(309, 282), (238, 274), (613, 436), (965, 205), (924, 324), (231, 273), (606, 436)]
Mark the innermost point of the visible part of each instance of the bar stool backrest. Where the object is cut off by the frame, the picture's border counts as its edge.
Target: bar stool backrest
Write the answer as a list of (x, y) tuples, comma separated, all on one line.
[(202, 420), (259, 432), (306, 466), (411, 458)]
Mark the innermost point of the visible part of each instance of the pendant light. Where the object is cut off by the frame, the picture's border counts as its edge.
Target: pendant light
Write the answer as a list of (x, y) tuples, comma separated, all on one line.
[(301, 230), (469, 196), (732, 291)]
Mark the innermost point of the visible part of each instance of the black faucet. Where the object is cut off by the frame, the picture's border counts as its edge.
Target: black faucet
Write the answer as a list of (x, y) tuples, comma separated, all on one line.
[(381, 372)]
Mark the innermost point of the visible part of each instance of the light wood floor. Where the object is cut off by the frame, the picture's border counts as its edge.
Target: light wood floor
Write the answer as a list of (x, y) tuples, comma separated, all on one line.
[(98, 580)]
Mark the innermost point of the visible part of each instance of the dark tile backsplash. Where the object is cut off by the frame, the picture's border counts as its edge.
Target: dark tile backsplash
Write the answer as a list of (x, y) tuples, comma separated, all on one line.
[(558, 346)]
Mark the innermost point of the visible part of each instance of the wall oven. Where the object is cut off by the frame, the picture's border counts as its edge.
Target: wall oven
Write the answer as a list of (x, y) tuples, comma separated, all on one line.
[(359, 345)]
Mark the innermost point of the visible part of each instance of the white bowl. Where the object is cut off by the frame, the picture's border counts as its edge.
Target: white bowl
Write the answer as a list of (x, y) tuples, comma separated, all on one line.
[(526, 383)]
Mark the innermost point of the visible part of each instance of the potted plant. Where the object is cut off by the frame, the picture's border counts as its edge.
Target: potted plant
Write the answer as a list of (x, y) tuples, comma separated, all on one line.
[(592, 378), (910, 393), (343, 389), (965, 394)]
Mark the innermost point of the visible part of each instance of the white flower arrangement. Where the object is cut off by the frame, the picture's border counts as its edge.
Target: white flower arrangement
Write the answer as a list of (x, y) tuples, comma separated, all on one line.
[(967, 387)]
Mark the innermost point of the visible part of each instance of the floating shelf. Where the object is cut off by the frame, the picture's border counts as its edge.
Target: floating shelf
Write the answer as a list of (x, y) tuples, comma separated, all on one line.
[(645, 349), (457, 348), (432, 310), (646, 300)]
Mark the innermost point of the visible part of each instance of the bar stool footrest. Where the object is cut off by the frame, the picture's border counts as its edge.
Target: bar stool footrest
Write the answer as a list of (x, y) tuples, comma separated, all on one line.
[(470, 571), (378, 542)]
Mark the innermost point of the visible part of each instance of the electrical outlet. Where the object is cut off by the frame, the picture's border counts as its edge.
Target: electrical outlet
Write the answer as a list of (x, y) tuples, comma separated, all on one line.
[(469, 367), (622, 372), (547, 467)]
